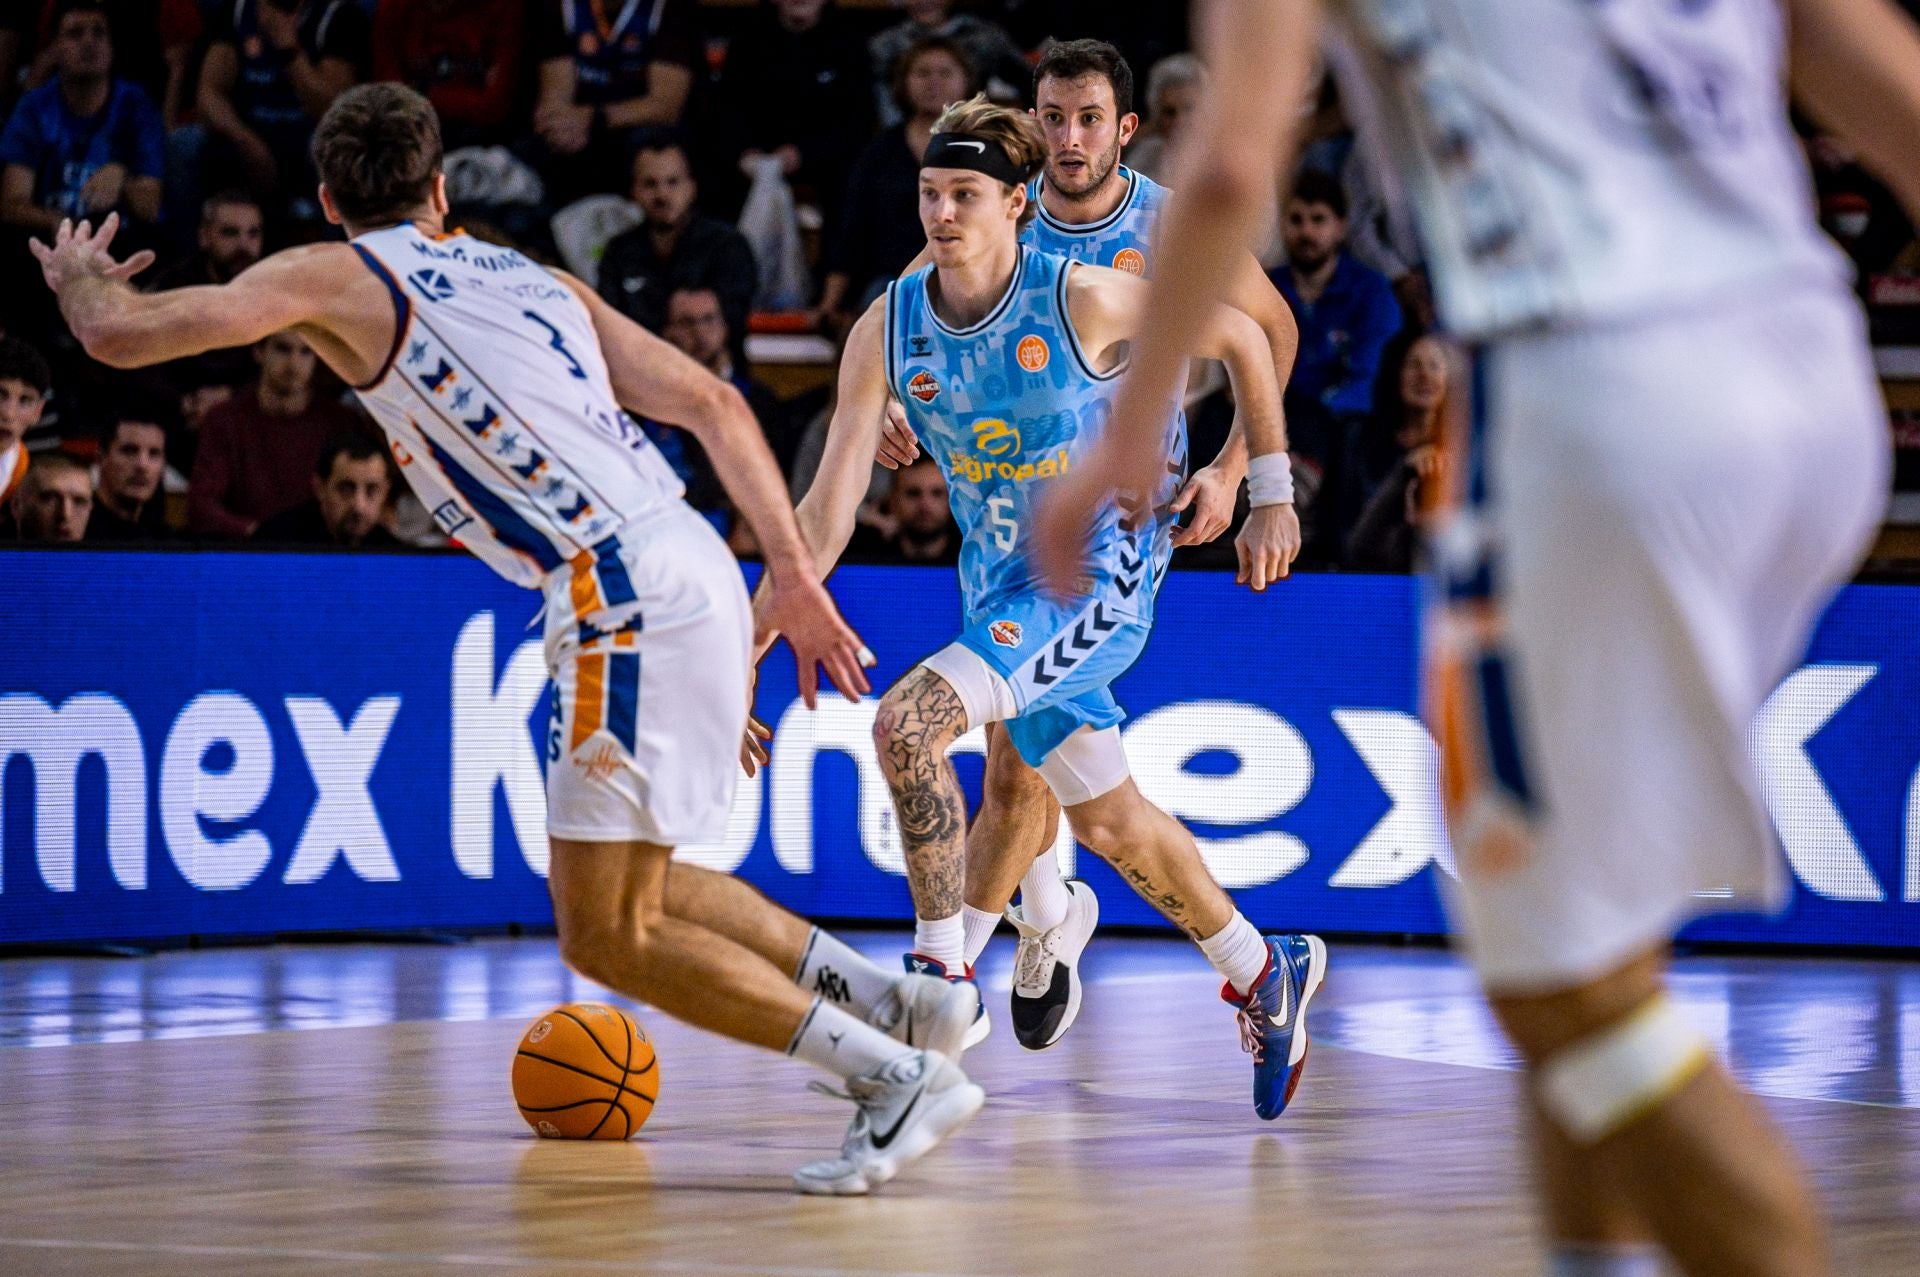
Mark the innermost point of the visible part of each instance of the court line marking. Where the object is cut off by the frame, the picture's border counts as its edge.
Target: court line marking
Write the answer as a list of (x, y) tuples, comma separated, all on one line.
[(541, 1264)]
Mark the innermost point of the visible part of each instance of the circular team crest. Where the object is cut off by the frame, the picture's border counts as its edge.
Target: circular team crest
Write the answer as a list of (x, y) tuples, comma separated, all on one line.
[(1032, 353), (1131, 261), (924, 386)]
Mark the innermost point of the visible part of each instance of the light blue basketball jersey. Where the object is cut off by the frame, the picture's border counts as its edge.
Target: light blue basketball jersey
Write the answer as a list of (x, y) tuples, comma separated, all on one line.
[(1005, 405), (1122, 240)]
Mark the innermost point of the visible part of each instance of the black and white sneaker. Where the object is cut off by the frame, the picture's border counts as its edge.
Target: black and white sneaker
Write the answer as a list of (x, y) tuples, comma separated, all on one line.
[(1046, 970), (929, 1012), (904, 1109)]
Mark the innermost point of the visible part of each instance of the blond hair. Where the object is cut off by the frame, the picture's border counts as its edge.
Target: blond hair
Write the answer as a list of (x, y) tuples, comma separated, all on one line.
[(1013, 131)]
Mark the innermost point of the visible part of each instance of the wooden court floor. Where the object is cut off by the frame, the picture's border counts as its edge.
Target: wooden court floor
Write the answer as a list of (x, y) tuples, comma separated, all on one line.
[(305, 1110)]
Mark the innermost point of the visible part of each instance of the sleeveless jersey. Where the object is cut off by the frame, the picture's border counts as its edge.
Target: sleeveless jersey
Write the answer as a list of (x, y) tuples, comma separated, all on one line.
[(1122, 239), (1573, 161), (497, 401), (1003, 406)]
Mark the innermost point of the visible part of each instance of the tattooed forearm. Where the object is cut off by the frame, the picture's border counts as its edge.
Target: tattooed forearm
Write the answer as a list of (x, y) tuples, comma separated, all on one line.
[(920, 717)]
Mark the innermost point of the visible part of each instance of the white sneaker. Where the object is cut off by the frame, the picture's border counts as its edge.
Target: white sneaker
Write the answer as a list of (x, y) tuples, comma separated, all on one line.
[(1046, 970), (906, 1107), (929, 1012)]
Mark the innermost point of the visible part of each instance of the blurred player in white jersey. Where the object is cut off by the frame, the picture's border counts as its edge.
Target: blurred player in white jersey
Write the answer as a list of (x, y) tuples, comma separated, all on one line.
[(503, 388), (1091, 208), (1677, 452)]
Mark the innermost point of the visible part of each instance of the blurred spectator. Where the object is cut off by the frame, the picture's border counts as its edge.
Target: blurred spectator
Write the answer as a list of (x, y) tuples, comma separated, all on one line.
[(1174, 89), (881, 233), (352, 487), (258, 449), (795, 85), (916, 525), (229, 238), (24, 383), (133, 460), (87, 142), (16, 40), (271, 71), (999, 67), (1144, 33), (676, 247), (698, 326), (1398, 457), (55, 501), (464, 55), (605, 71), (1346, 314)]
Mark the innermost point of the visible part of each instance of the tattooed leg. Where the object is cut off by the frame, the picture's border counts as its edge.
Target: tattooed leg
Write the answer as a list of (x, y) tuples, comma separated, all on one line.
[(919, 717), (1156, 855)]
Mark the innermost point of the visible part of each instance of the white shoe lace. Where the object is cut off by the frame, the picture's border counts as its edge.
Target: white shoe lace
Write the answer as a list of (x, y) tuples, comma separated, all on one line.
[(1035, 958)]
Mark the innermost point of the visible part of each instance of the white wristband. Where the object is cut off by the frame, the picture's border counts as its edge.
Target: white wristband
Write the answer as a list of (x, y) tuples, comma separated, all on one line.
[(1270, 480)]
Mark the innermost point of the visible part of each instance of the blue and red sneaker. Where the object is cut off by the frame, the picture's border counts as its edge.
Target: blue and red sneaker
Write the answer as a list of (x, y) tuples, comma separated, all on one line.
[(1273, 1018), (922, 965)]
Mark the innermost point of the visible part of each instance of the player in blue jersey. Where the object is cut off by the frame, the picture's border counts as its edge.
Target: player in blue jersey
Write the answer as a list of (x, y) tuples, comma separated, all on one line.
[(1006, 360), (1093, 209)]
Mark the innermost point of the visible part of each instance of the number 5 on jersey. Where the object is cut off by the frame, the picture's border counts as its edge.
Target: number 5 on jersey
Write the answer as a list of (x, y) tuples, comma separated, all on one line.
[(1006, 529)]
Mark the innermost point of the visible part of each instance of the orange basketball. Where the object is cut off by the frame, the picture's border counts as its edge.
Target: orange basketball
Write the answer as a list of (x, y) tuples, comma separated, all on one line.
[(585, 1071)]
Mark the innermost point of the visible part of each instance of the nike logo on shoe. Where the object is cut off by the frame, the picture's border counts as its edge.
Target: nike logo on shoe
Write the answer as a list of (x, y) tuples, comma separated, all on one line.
[(884, 1138)]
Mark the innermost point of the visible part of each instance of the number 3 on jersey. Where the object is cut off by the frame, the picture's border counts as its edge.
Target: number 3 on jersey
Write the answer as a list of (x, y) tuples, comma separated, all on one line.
[(1006, 529), (559, 343)]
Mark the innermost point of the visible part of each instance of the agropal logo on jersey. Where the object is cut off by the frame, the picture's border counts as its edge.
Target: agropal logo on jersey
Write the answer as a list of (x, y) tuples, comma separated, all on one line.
[(998, 445)]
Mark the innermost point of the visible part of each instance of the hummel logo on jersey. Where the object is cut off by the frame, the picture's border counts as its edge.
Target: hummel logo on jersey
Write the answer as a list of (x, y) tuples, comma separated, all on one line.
[(831, 985), (920, 344), (835, 1037)]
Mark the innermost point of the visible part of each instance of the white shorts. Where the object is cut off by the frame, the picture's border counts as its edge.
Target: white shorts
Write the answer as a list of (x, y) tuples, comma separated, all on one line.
[(1666, 509), (648, 647)]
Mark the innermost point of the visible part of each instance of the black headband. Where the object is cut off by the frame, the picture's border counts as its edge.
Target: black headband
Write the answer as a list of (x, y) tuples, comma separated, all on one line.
[(957, 150)]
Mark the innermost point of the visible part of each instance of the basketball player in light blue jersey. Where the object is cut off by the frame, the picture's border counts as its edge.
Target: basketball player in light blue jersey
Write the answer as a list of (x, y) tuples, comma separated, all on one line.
[(1091, 208), (1006, 359)]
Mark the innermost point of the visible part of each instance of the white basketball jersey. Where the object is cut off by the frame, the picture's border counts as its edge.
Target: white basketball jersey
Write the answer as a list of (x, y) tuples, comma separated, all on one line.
[(1584, 160), (13, 468), (498, 404)]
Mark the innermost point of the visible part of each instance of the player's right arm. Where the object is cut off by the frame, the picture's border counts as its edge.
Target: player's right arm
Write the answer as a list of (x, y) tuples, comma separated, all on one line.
[(826, 513), (1856, 65), (658, 381)]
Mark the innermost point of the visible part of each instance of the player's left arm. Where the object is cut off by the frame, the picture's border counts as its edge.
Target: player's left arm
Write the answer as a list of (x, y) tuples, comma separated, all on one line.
[(127, 329)]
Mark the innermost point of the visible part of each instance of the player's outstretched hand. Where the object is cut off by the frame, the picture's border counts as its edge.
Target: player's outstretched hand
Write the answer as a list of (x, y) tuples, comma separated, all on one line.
[(1211, 494), (1268, 543), (801, 610), (898, 448), (80, 252)]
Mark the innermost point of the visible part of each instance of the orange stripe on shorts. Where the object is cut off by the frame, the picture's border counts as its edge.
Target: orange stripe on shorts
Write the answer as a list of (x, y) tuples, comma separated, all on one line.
[(589, 696)]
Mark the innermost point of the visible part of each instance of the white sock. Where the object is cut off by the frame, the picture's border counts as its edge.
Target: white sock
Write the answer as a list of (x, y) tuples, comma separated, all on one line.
[(942, 939), (1237, 952), (842, 975), (1572, 1260), (979, 926), (1044, 899), (832, 1040)]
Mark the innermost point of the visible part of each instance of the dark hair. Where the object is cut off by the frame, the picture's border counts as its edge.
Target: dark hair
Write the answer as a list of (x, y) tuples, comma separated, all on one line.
[(655, 138), (68, 7), (354, 445), (378, 149), (1071, 59), (21, 362), (897, 75), (1315, 186), (1380, 433), (139, 400), (228, 197)]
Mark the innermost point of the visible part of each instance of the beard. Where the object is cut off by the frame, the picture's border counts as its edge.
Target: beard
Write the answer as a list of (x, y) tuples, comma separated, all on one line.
[(1098, 171)]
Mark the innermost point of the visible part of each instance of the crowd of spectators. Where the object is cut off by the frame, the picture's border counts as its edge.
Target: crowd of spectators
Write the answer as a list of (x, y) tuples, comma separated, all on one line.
[(636, 142)]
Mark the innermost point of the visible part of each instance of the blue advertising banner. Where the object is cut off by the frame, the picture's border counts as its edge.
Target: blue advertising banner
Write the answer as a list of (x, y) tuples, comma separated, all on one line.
[(242, 744)]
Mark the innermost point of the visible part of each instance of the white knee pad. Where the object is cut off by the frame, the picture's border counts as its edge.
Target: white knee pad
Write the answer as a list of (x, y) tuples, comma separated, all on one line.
[(1611, 1079), (984, 693), (1086, 765)]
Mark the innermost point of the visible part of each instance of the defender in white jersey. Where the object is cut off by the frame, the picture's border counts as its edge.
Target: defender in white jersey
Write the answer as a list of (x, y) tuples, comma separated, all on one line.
[(503, 388), (1093, 209), (1677, 452)]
